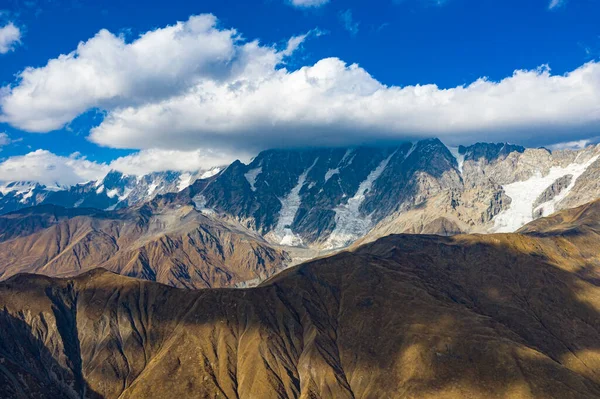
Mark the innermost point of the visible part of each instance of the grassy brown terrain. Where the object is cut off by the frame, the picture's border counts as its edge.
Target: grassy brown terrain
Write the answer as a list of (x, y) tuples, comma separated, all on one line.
[(170, 244), (493, 316)]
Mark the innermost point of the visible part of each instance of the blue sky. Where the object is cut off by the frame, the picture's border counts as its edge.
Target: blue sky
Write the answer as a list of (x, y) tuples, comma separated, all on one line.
[(367, 67)]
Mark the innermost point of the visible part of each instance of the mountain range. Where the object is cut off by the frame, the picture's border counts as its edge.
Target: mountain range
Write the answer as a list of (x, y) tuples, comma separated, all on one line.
[(312, 273), (237, 225), (407, 316), (328, 198), (116, 190)]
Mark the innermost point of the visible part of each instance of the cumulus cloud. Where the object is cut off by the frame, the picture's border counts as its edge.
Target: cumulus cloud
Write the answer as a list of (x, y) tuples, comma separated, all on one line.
[(156, 160), (105, 72), (197, 85), (10, 36), (47, 168), (50, 169), (308, 3), (335, 103)]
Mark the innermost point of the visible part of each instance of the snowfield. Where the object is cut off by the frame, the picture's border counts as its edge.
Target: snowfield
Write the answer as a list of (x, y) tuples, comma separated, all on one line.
[(524, 194)]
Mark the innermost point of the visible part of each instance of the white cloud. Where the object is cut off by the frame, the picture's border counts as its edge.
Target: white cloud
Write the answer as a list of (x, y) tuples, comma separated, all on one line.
[(348, 21), (195, 85), (47, 168), (574, 145), (334, 103), (10, 36), (296, 41), (4, 139), (50, 169), (155, 160), (106, 71), (556, 3), (308, 3)]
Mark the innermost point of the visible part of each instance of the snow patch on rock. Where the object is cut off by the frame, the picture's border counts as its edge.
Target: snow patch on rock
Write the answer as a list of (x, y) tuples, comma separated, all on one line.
[(125, 194), (251, 177), (460, 158), (289, 206), (349, 152), (412, 149), (524, 194), (21, 187), (344, 162), (185, 179), (210, 173), (330, 173), (200, 205), (26, 195), (152, 188), (349, 223)]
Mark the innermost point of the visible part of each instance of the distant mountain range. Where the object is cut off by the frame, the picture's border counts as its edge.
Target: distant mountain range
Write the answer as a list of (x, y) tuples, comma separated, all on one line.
[(115, 191)]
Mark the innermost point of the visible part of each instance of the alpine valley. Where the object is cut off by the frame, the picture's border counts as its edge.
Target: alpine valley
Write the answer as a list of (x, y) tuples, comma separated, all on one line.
[(406, 271)]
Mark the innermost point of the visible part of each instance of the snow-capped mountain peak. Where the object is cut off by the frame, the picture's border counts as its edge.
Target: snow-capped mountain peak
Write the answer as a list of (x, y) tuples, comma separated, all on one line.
[(113, 191)]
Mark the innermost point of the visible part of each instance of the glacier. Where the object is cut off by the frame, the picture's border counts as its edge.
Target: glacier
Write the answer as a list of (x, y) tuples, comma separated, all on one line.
[(349, 223), (289, 206), (523, 195)]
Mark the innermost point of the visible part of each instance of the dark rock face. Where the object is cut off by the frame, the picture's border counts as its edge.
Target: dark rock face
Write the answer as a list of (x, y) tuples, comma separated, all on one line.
[(488, 151), (84, 195), (411, 179), (306, 195), (555, 189), (326, 198)]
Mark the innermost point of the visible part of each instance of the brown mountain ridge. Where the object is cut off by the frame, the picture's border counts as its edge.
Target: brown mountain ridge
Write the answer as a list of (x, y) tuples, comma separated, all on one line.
[(471, 316), (168, 243)]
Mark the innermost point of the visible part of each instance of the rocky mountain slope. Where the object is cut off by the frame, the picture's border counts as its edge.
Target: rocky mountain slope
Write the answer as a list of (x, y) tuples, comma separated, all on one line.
[(408, 316), (328, 198), (174, 245)]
